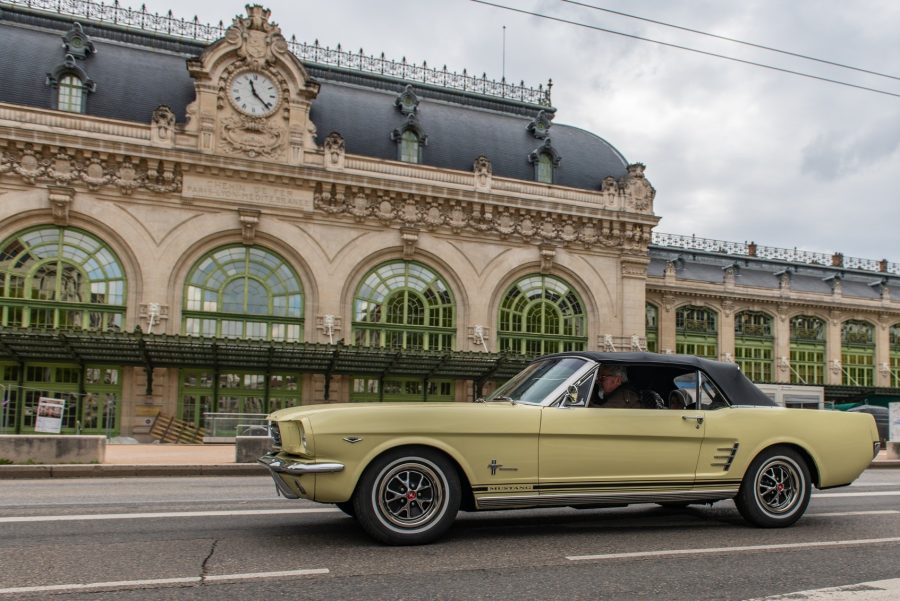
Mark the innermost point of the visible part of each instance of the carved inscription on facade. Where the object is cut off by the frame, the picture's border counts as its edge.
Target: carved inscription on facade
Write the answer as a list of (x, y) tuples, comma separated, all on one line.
[(247, 193)]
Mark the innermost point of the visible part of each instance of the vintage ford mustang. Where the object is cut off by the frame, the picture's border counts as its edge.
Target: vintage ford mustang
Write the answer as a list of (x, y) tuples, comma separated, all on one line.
[(694, 431)]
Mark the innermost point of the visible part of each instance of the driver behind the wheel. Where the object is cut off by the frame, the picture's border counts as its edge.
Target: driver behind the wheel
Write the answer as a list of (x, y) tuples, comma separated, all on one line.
[(614, 392)]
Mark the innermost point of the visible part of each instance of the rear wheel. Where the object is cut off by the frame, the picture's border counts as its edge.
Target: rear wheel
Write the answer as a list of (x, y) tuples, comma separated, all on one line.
[(408, 497), (775, 490)]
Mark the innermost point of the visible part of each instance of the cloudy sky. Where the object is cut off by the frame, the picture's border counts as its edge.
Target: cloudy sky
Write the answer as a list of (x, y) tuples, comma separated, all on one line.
[(735, 152)]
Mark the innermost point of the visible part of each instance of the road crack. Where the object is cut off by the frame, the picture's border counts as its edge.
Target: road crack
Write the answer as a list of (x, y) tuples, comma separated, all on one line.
[(204, 567)]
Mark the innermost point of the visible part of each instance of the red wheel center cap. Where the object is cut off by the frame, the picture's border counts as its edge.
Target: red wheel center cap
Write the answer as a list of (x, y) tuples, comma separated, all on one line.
[(411, 495), (779, 487)]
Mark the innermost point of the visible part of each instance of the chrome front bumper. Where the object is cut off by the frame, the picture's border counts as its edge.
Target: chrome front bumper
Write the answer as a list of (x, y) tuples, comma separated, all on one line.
[(279, 465), (287, 466)]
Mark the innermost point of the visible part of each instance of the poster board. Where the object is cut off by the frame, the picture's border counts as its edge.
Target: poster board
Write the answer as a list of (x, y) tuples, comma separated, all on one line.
[(49, 415)]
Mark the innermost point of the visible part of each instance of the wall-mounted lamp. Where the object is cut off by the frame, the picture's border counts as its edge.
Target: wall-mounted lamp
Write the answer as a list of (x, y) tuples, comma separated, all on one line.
[(328, 323)]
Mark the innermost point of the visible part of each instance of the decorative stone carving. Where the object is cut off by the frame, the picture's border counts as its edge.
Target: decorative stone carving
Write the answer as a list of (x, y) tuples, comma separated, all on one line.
[(548, 254), (407, 102), (432, 213), (77, 43), (252, 137), (334, 152), (60, 200), (539, 127), (409, 238), (668, 302), (62, 167), (483, 174), (162, 127), (639, 194), (631, 269), (728, 307), (249, 220)]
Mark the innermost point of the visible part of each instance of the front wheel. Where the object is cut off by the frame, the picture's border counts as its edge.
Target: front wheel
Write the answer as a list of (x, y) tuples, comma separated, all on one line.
[(775, 490), (408, 497)]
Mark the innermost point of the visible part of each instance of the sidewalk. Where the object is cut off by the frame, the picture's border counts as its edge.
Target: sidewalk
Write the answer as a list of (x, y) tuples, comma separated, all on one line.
[(132, 460)]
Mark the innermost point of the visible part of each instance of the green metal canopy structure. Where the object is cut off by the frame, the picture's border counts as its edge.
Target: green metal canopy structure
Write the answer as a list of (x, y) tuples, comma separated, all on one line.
[(162, 350)]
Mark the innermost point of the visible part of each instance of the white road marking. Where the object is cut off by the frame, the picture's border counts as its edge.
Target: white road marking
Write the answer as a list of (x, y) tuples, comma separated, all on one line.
[(843, 513), (75, 586), (875, 590), (834, 495), (173, 514), (773, 547)]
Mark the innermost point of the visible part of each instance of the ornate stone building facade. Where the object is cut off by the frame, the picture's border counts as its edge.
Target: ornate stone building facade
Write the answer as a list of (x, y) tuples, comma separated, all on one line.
[(200, 195), (202, 220)]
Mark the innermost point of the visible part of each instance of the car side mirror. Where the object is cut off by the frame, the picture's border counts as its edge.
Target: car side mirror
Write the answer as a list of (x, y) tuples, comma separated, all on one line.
[(571, 397)]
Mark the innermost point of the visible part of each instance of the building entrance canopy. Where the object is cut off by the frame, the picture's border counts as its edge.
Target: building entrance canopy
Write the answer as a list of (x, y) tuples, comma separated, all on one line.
[(161, 350)]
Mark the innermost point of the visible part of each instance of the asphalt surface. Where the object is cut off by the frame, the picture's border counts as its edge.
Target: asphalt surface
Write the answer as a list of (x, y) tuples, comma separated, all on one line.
[(205, 538)]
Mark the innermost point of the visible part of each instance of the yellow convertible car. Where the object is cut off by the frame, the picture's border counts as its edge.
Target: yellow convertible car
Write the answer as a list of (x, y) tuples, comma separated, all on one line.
[(674, 430)]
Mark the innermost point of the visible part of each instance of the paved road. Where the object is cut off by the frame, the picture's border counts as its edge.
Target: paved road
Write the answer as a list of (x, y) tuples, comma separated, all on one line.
[(213, 538)]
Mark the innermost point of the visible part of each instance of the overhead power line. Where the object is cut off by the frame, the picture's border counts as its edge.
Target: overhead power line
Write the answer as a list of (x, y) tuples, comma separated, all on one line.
[(734, 40), (687, 49)]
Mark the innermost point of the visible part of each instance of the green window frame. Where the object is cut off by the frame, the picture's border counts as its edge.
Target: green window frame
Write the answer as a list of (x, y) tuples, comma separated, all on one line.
[(541, 314), (857, 353), (696, 332), (409, 146), (70, 94), (404, 305), (652, 327), (754, 345), (395, 389), (240, 291), (61, 278), (807, 361)]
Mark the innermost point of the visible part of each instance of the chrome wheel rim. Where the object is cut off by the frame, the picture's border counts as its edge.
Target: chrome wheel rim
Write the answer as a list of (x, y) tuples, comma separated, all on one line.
[(779, 486), (410, 495)]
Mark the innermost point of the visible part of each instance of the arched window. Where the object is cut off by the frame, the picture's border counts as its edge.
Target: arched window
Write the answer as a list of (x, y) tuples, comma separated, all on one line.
[(61, 278), (696, 332), (858, 353), (243, 292), (754, 345), (240, 291), (409, 146), (807, 361), (404, 305), (541, 314), (65, 279), (70, 94), (544, 169), (652, 327), (545, 159)]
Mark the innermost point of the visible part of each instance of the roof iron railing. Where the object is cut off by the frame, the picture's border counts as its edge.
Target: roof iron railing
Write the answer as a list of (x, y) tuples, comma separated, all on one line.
[(192, 29), (793, 255)]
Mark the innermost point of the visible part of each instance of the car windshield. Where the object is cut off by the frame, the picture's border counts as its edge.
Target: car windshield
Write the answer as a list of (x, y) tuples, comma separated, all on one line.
[(538, 381)]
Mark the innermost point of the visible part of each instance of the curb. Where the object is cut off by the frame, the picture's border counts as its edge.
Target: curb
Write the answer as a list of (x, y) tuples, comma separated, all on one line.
[(22, 472)]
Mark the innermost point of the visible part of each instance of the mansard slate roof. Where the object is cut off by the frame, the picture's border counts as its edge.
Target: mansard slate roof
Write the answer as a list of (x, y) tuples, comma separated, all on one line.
[(752, 272), (135, 71)]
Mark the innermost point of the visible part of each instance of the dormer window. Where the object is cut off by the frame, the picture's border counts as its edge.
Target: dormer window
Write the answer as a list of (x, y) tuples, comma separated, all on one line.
[(410, 139), (543, 169), (409, 147), (545, 160), (71, 94), (71, 86)]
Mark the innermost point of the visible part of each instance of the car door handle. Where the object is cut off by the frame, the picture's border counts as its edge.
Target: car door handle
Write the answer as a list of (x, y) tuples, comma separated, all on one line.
[(698, 418)]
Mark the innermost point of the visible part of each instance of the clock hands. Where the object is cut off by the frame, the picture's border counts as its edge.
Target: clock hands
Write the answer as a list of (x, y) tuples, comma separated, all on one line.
[(253, 90)]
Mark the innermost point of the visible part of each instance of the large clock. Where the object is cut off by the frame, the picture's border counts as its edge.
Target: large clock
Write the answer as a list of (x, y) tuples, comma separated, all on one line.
[(254, 93)]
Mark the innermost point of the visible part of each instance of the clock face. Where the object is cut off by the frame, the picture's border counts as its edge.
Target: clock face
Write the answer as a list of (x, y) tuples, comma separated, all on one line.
[(254, 94)]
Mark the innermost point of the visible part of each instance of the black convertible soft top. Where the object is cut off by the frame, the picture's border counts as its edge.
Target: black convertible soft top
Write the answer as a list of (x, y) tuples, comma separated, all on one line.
[(734, 384)]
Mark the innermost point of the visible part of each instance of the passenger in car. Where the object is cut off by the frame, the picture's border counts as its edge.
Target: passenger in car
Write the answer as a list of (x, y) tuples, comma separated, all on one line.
[(614, 392)]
